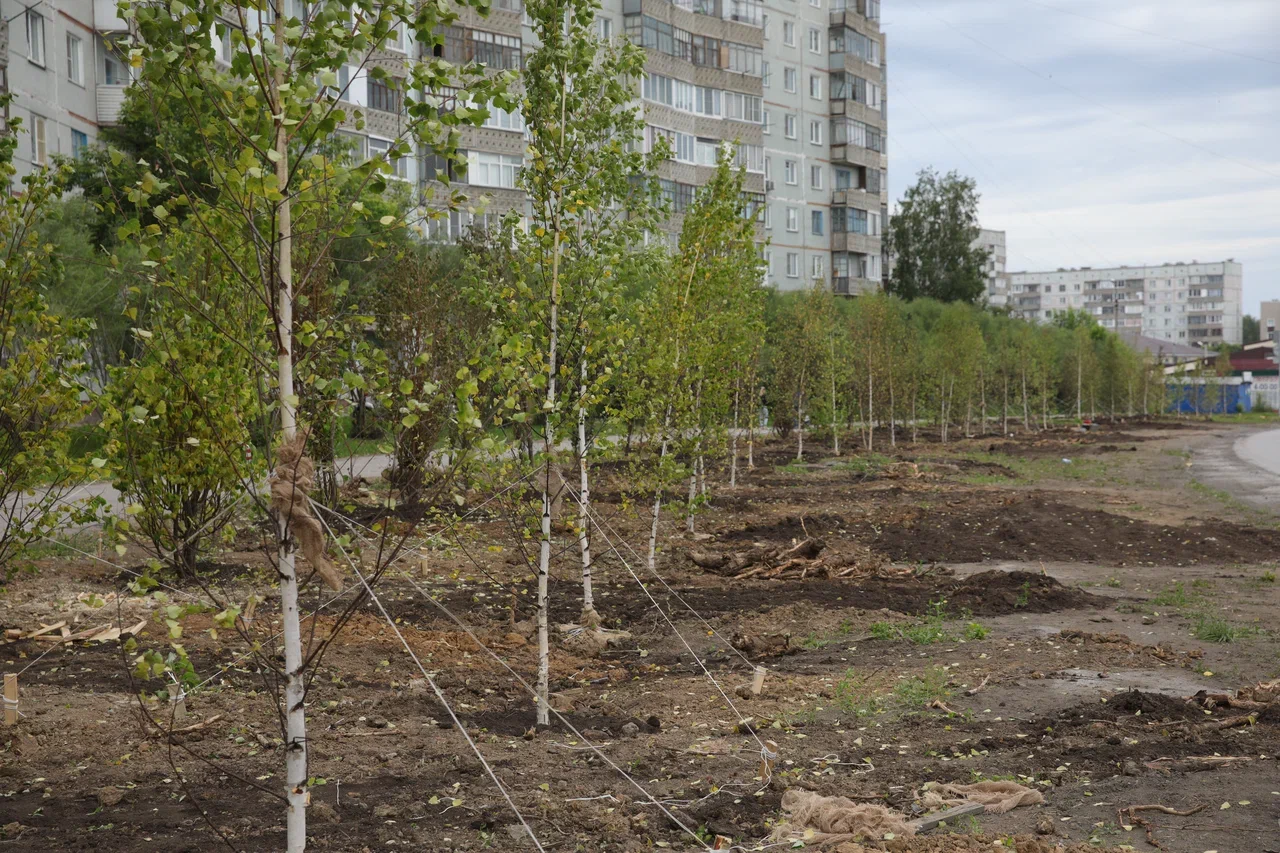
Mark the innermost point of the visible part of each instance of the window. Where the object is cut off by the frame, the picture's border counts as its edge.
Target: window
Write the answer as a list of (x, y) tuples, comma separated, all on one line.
[(708, 102), (396, 40), (793, 265), (706, 151), (817, 266), (815, 87), (788, 33), (768, 125), (500, 119), (768, 217), (682, 95), (789, 79), (793, 219), (817, 4), (789, 126), (39, 152), (605, 28), (386, 95), (789, 171), (815, 132), (741, 107), (117, 72), (815, 177), (815, 40), (79, 142), (765, 77), (492, 170), (750, 157), (35, 37), (815, 222), (75, 59), (381, 149), (744, 59)]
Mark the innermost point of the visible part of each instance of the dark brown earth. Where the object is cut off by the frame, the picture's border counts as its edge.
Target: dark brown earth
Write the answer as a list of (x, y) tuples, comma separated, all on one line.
[(1082, 658)]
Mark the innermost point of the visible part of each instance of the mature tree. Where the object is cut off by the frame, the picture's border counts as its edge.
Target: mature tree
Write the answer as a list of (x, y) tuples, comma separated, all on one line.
[(1251, 329), (931, 240)]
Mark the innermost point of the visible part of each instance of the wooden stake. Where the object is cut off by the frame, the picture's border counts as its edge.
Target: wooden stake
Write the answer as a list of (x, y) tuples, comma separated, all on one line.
[(757, 683), (766, 761), (424, 568), (722, 843), (10, 698), (178, 701), (250, 606)]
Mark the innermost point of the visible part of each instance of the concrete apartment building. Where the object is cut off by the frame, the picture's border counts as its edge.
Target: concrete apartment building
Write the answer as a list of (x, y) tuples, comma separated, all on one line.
[(796, 86), (997, 278), (1193, 304), (1268, 320), (66, 77)]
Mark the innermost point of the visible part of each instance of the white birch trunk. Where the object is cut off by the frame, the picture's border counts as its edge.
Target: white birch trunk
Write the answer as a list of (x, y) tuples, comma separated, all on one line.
[(800, 420), (294, 682), (733, 441), (589, 615)]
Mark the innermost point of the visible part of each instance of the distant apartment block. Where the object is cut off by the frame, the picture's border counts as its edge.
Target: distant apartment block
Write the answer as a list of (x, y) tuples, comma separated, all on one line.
[(997, 277), (1187, 303), (1268, 320)]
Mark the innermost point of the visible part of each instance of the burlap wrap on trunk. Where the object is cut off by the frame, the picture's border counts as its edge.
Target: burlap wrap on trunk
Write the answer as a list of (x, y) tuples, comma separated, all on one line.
[(293, 480)]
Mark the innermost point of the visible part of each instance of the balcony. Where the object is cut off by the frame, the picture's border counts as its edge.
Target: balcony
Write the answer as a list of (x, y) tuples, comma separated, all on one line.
[(853, 286), (110, 101), (106, 19), (842, 241)]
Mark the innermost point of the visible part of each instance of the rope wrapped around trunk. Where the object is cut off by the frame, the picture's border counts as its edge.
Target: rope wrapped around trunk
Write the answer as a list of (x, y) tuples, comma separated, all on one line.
[(290, 487)]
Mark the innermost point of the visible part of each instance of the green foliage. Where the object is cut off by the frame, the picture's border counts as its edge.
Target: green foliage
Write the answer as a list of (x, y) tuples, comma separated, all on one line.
[(178, 415), (1174, 596), (1215, 629), (976, 631), (42, 370), (920, 690), (1251, 328), (931, 236), (853, 697)]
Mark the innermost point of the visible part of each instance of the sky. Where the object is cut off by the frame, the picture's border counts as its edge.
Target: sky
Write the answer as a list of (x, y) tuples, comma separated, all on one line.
[(1100, 132)]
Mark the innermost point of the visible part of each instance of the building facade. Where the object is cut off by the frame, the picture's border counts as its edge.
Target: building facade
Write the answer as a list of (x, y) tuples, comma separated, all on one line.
[(64, 72), (1194, 304), (796, 87), (997, 277), (1268, 320)]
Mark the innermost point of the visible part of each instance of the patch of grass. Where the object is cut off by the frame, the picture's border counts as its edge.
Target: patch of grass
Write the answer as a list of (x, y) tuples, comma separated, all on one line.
[(1024, 596), (1034, 469), (852, 696), (1181, 454), (1268, 576), (926, 633), (884, 631), (797, 468), (1215, 629), (813, 641), (866, 463), (1174, 596), (976, 631), (62, 545), (920, 690), (1201, 583), (1244, 418), (1113, 582)]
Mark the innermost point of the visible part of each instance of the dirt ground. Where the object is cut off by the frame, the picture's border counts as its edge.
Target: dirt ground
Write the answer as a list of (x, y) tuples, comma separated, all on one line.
[(1034, 608)]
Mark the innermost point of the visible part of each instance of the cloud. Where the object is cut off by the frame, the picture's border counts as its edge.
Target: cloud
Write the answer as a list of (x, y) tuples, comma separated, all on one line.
[(1094, 144)]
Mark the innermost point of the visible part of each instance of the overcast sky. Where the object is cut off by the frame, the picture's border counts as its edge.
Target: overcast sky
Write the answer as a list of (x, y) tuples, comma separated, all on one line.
[(1094, 144)]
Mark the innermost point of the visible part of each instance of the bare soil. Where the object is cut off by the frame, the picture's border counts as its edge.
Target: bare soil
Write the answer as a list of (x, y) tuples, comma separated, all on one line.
[(1060, 622)]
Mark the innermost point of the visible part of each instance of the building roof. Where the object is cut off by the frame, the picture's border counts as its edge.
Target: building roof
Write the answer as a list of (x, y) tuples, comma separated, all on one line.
[(1158, 346), (1252, 360)]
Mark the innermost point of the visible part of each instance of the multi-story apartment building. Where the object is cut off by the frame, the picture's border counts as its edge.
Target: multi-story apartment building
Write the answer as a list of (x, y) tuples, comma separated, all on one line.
[(796, 87), (997, 277), (66, 78), (1185, 303)]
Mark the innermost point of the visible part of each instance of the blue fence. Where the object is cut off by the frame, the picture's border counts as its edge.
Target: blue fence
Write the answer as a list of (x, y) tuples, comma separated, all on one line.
[(1210, 397)]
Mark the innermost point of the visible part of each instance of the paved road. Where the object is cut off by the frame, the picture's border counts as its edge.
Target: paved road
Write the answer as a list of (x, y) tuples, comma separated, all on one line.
[(1247, 467)]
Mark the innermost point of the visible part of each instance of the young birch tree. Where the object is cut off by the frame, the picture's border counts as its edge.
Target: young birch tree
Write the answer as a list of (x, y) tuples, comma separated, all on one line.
[(276, 97), (589, 202)]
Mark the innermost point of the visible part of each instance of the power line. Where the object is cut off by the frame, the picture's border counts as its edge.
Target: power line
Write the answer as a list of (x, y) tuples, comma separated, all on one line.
[(1049, 79), (1200, 45)]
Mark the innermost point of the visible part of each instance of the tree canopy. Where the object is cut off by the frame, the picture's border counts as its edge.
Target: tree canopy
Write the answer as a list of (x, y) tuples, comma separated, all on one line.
[(931, 240)]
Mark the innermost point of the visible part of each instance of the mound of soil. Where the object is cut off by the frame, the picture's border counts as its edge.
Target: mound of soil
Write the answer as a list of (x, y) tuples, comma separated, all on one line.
[(1155, 706), (1041, 528), (995, 592)]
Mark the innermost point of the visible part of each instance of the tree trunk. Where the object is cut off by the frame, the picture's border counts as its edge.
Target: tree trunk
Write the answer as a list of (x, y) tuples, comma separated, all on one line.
[(1026, 408), (835, 425), (291, 626), (800, 420), (589, 615), (893, 435), (733, 441), (1004, 413), (871, 409)]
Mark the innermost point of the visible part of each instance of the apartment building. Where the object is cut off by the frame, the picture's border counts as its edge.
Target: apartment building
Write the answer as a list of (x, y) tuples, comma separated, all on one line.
[(795, 87), (1186, 303), (66, 77), (997, 277)]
